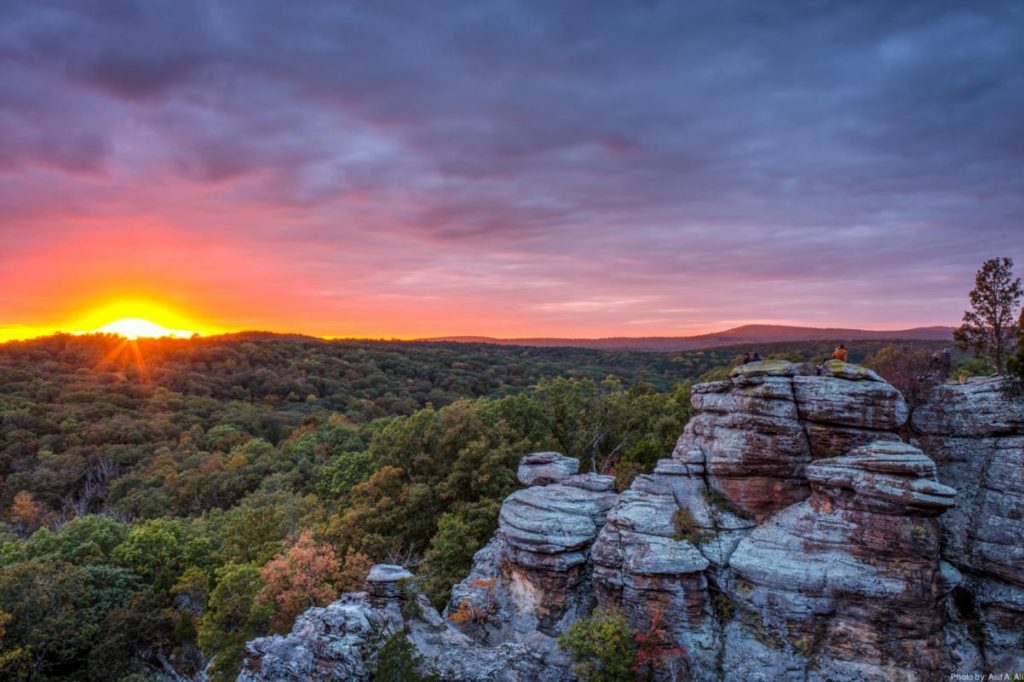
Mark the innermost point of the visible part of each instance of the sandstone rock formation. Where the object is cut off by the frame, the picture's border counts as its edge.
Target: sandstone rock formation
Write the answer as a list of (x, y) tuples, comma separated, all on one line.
[(342, 641), (975, 433), (847, 584), (792, 535), (759, 430)]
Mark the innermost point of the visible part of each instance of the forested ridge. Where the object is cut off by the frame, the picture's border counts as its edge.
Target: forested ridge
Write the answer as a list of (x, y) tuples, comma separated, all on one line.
[(166, 500)]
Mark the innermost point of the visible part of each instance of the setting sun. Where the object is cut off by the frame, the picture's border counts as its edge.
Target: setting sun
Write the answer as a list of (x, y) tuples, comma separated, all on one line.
[(137, 327)]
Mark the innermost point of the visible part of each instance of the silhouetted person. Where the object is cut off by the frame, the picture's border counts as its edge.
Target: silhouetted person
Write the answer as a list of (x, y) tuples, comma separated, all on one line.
[(756, 357), (840, 353), (746, 358)]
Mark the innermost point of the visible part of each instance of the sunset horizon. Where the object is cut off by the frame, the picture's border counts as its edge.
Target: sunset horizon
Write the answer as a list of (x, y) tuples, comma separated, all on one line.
[(144, 327), (635, 170)]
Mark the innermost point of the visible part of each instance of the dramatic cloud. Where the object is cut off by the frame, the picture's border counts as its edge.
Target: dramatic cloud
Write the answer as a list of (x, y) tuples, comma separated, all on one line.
[(508, 168)]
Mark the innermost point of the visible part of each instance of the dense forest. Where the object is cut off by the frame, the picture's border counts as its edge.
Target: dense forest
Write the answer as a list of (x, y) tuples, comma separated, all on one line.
[(166, 500)]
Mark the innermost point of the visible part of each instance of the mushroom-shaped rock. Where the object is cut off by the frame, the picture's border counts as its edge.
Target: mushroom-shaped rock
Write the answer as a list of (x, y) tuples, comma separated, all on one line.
[(534, 577), (543, 468), (382, 582), (553, 522)]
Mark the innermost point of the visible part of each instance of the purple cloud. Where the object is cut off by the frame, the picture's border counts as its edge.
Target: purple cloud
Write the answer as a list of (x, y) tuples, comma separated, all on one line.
[(603, 167)]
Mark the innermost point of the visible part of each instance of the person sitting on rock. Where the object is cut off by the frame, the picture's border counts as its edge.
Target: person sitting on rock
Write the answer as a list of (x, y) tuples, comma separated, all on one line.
[(840, 353), (746, 359)]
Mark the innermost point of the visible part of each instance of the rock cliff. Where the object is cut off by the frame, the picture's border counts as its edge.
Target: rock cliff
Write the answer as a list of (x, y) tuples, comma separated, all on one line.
[(975, 434), (791, 535)]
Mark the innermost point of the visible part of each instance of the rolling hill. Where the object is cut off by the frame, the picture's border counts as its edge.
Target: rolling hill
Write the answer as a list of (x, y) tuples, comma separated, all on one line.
[(747, 334)]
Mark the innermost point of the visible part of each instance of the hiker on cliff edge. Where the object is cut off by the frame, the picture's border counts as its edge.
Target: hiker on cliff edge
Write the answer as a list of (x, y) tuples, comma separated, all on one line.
[(840, 353)]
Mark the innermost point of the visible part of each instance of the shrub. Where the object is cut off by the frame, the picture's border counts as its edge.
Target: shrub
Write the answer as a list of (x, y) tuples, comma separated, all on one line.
[(602, 647), (656, 649), (625, 472), (398, 661), (687, 528)]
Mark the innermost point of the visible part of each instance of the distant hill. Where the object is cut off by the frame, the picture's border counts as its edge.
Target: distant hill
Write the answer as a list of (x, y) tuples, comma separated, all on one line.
[(747, 334)]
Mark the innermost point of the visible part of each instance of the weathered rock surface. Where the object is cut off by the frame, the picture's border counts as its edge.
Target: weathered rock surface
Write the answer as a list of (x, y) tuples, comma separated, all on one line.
[(541, 468), (383, 582), (847, 584), (342, 642), (975, 433), (791, 536), (759, 430), (535, 576), (651, 556)]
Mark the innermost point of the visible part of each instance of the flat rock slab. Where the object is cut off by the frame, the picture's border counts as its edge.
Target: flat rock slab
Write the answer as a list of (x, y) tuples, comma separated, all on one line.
[(544, 468)]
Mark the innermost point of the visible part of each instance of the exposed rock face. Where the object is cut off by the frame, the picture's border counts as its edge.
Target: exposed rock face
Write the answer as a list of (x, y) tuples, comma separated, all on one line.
[(342, 642), (535, 576), (759, 430), (541, 468), (791, 536), (383, 580), (975, 433), (847, 584)]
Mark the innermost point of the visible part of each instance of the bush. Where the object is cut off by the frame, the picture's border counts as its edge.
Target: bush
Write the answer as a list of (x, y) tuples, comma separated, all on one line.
[(625, 472), (398, 661), (914, 373), (602, 647), (687, 528)]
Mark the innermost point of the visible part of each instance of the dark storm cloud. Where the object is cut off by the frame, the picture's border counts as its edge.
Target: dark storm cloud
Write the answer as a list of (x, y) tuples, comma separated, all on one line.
[(650, 143)]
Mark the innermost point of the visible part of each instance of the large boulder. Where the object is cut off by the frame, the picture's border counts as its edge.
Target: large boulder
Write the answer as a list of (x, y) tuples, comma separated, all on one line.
[(848, 584), (758, 431), (535, 575), (652, 557)]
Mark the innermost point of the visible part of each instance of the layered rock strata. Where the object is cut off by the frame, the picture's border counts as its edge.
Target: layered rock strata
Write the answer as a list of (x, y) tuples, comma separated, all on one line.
[(758, 431), (847, 584), (975, 433), (535, 576)]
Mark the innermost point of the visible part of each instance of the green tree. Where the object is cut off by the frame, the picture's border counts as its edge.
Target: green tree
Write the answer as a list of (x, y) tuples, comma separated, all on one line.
[(989, 328), (136, 638), (602, 647), (448, 559), (58, 613), (233, 616), (398, 661), (160, 550), (85, 540)]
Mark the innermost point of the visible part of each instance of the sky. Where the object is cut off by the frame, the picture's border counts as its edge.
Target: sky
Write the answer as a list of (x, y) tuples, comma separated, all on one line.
[(529, 168)]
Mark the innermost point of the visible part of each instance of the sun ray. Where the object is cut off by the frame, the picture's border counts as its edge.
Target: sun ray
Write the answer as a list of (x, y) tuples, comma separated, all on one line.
[(140, 362), (115, 353)]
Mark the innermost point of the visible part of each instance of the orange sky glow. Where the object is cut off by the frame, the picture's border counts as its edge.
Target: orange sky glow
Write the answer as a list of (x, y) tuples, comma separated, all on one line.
[(509, 171)]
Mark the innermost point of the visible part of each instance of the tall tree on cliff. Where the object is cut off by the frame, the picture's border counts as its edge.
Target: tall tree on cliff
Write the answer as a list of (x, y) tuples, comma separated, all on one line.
[(989, 328)]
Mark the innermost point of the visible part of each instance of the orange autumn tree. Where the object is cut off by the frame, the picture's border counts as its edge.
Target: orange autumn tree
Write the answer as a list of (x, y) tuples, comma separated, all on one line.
[(25, 513), (305, 575)]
